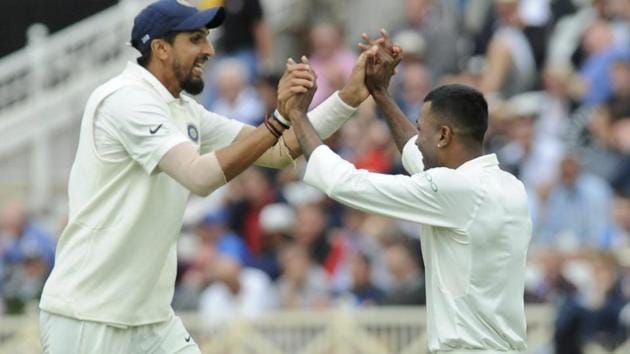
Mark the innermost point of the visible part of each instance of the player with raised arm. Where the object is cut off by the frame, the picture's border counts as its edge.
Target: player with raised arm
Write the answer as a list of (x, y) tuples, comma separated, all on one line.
[(475, 221), (144, 146)]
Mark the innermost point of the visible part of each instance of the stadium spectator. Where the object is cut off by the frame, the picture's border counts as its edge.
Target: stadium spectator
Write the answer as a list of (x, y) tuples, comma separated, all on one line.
[(438, 27), (604, 146), (576, 212), (311, 231), (290, 22), (414, 84), (602, 304), (619, 233), (266, 89), (374, 151), (277, 223), (601, 53), (510, 65), (303, 283), (249, 194), (330, 58), (26, 257), (24, 282), (213, 239), (23, 237), (236, 291), (362, 292), (235, 97), (534, 160), (246, 35), (404, 261), (347, 242)]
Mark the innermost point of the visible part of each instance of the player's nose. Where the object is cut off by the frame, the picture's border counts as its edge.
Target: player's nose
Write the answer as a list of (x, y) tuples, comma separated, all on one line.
[(208, 49)]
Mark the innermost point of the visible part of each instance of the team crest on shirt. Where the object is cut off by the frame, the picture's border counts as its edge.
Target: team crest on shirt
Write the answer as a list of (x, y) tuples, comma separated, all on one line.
[(193, 133)]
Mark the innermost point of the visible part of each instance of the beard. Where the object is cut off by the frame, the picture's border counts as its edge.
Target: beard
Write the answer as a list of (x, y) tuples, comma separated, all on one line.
[(193, 86), (187, 81)]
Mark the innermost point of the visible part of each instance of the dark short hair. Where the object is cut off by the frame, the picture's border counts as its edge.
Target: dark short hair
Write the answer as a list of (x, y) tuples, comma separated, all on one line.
[(145, 58), (463, 107)]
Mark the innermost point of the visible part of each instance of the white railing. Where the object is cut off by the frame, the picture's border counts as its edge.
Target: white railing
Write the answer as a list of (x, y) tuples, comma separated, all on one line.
[(390, 330), (379, 330), (44, 86), (49, 62), (394, 330)]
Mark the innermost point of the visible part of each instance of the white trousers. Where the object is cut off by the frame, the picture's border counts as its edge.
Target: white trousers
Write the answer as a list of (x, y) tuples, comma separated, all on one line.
[(64, 335)]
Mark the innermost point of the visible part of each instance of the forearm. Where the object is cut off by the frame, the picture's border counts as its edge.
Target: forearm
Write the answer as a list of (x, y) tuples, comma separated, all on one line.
[(326, 119), (409, 198), (242, 153), (278, 156), (305, 134), (401, 128), (200, 174)]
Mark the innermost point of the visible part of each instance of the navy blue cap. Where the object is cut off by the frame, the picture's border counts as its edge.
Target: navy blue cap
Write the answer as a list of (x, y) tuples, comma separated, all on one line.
[(164, 16)]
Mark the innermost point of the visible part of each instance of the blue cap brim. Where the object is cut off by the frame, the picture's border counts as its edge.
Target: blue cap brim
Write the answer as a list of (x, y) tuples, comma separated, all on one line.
[(210, 18)]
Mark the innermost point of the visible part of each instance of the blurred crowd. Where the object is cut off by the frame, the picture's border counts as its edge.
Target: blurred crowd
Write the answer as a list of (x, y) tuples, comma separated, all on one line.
[(556, 74)]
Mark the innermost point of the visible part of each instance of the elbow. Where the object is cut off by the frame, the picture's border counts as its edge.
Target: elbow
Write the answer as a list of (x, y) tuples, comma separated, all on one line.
[(204, 186), (204, 179), (201, 191)]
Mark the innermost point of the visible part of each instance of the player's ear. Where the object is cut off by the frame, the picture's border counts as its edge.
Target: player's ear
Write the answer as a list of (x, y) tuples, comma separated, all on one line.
[(446, 135), (160, 48)]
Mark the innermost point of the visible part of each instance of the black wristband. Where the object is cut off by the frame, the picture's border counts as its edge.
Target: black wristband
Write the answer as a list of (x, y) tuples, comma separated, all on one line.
[(271, 128)]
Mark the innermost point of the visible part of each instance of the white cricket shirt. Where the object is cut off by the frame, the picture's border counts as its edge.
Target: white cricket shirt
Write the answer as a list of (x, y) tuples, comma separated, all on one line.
[(475, 233), (116, 259)]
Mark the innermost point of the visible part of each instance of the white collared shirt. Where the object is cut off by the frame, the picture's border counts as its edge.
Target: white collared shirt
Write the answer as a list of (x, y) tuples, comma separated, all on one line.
[(116, 259), (475, 233)]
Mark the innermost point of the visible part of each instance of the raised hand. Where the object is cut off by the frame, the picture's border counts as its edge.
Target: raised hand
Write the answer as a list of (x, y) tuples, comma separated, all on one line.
[(297, 78), (297, 104), (384, 43), (383, 57), (354, 91)]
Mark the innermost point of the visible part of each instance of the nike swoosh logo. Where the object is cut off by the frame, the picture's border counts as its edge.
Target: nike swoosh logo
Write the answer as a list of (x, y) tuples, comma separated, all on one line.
[(187, 339), (155, 130)]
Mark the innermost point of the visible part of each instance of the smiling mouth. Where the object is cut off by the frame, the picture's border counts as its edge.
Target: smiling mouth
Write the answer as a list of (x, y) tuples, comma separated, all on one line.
[(198, 68)]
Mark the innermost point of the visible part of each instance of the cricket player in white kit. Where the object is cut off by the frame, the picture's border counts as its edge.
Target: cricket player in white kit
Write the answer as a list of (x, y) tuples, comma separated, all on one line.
[(143, 148), (475, 221)]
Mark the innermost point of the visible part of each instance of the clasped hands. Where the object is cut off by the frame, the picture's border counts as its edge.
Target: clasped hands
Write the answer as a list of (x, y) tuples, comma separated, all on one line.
[(371, 74)]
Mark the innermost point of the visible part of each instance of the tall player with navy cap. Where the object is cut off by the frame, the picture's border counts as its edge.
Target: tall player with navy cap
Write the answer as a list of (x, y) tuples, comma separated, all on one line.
[(143, 148)]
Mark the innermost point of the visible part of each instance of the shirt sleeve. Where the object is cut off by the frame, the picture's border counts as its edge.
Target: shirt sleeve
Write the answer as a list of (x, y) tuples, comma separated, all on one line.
[(145, 128), (411, 157), (217, 131), (439, 197), (330, 115)]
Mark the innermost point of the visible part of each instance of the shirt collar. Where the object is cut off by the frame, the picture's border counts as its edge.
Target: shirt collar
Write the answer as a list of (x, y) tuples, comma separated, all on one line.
[(145, 75), (488, 160)]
